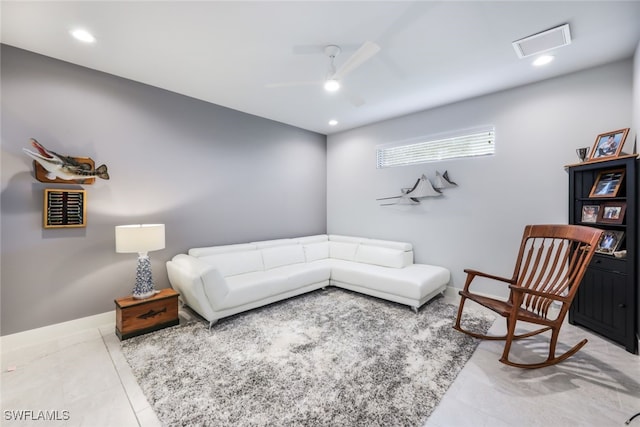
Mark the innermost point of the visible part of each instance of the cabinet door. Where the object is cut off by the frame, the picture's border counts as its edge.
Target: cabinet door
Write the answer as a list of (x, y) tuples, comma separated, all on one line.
[(600, 303)]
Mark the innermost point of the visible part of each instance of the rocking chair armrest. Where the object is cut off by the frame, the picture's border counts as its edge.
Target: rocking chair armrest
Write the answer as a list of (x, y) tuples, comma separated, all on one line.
[(520, 289), (488, 276)]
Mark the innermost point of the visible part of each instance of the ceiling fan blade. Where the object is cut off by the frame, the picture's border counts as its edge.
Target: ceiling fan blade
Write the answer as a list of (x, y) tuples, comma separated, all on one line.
[(363, 54), (291, 84)]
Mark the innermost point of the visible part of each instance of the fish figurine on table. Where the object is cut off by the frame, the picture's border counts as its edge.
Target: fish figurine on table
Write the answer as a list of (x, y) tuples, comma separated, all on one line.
[(63, 167)]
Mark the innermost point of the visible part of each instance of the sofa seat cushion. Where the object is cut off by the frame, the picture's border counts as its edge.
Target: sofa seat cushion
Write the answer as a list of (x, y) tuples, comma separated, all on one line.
[(255, 286), (299, 275), (249, 287), (414, 281)]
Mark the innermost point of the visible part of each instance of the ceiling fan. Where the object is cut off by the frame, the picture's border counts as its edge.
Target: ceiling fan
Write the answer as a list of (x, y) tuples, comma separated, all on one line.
[(334, 76)]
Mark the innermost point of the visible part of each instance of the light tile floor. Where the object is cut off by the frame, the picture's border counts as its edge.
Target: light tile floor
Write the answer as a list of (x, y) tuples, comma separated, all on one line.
[(598, 386), (80, 380), (87, 375)]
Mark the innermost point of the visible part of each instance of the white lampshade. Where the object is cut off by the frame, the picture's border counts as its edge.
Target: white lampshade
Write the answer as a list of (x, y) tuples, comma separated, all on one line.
[(139, 238)]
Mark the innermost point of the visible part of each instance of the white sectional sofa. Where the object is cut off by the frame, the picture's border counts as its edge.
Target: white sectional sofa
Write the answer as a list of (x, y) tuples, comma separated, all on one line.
[(220, 281)]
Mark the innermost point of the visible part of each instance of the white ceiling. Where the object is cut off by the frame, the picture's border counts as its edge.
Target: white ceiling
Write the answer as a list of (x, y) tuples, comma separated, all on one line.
[(432, 52)]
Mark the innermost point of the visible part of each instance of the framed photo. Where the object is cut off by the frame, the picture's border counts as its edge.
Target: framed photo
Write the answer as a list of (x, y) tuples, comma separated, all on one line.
[(612, 212), (65, 208), (609, 144), (590, 213), (607, 183), (610, 242)]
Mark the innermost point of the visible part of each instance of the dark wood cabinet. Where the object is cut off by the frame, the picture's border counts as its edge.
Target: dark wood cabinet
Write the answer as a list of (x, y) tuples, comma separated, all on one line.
[(608, 298)]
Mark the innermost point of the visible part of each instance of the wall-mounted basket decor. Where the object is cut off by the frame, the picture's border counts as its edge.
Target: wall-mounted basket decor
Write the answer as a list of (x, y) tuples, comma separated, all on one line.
[(65, 208)]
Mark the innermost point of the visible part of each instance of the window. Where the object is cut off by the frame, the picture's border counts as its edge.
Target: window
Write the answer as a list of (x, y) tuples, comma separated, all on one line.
[(469, 143)]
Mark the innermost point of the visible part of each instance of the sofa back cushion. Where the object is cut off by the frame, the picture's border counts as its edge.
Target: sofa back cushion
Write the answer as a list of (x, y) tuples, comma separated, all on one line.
[(385, 257), (215, 250), (282, 255), (316, 251), (273, 243), (233, 263), (402, 246), (343, 250), (312, 239)]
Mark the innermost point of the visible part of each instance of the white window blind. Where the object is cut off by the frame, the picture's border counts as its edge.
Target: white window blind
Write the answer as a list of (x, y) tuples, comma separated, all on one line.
[(471, 143)]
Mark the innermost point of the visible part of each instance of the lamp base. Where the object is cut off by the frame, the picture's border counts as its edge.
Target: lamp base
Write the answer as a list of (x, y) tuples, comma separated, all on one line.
[(144, 282), (145, 295)]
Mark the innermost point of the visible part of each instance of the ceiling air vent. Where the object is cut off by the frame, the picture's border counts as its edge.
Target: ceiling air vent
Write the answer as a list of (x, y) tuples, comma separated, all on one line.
[(542, 42)]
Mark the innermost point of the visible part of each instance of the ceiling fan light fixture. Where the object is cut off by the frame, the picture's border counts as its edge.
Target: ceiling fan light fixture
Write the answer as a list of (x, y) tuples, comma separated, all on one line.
[(331, 85)]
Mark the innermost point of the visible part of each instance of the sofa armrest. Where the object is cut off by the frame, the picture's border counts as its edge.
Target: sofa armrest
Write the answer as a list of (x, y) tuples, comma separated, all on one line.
[(201, 286)]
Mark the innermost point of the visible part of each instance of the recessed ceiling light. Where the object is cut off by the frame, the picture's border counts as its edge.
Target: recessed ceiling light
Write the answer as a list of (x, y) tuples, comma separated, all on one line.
[(542, 60), (333, 122), (83, 36), (331, 85)]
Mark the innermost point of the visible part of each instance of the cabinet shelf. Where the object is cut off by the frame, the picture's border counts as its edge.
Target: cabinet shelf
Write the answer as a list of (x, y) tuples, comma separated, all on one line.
[(608, 298), (601, 199), (602, 225)]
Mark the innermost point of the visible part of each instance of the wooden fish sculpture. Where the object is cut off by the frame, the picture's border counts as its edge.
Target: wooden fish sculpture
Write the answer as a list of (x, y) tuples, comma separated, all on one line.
[(63, 167)]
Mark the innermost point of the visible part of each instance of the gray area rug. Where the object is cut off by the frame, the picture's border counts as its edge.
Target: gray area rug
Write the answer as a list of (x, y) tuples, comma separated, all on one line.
[(327, 358)]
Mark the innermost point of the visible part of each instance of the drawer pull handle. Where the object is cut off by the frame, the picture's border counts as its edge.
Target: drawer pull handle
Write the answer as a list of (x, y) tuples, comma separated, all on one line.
[(622, 305), (152, 313)]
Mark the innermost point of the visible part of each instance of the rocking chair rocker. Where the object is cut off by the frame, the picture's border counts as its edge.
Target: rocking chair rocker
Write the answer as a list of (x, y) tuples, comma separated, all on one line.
[(551, 263)]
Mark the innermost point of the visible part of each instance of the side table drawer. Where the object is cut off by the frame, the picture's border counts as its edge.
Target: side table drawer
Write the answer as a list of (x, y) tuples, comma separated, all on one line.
[(136, 317)]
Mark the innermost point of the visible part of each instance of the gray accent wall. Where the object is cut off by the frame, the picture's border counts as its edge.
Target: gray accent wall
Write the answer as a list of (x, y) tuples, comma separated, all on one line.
[(479, 224), (211, 174)]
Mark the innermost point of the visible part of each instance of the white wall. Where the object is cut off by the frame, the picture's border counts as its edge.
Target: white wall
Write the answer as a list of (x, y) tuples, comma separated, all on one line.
[(211, 174), (479, 224)]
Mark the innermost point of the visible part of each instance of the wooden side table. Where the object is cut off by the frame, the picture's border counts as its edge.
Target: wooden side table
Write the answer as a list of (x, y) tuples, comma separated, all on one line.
[(140, 316)]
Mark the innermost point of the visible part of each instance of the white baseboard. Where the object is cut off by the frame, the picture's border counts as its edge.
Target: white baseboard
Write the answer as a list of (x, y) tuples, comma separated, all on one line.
[(56, 331), (452, 292)]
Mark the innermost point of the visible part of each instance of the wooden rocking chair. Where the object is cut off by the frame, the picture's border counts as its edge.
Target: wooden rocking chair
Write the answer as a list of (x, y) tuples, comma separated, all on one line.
[(550, 266)]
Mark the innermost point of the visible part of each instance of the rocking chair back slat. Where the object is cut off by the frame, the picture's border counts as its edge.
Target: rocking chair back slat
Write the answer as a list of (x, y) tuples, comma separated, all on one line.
[(546, 274)]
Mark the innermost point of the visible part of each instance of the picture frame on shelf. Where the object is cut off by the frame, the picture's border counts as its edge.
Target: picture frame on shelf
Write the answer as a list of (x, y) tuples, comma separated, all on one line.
[(612, 213), (607, 183), (610, 242), (590, 213), (608, 145)]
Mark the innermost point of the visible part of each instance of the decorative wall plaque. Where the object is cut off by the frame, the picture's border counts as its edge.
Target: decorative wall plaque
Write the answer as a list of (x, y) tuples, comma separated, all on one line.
[(65, 208)]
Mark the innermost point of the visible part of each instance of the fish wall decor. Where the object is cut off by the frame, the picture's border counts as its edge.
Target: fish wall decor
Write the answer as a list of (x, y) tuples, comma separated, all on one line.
[(59, 168)]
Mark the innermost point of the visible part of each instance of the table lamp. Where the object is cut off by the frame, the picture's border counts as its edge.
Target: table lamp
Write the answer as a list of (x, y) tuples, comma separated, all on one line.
[(141, 238)]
